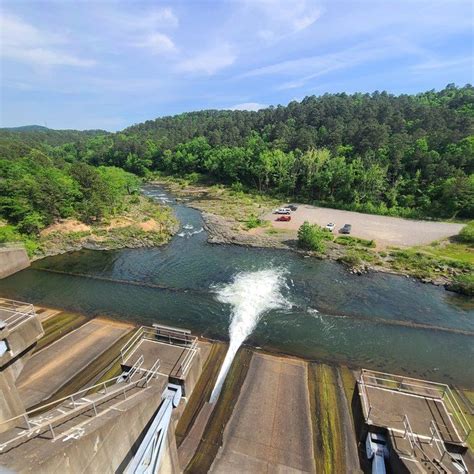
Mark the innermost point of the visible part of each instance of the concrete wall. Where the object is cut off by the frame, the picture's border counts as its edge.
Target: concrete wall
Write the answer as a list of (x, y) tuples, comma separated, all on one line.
[(105, 445), (20, 342), (12, 260)]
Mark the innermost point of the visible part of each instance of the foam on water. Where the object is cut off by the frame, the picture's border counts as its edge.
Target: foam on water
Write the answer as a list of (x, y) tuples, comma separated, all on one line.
[(251, 295)]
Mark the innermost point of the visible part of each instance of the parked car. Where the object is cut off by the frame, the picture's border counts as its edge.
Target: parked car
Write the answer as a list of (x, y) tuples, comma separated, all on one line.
[(330, 226), (283, 210), (293, 207), (283, 218), (346, 229)]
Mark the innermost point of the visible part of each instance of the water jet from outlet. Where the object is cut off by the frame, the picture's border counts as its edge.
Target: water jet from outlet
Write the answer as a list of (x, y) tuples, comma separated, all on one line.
[(250, 295)]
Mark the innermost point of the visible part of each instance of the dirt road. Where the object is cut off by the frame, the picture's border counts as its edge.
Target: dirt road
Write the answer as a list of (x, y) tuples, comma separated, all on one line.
[(49, 369), (270, 428), (386, 231)]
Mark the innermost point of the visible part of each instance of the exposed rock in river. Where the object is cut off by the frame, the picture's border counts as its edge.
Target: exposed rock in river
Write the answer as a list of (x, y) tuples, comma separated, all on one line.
[(223, 230)]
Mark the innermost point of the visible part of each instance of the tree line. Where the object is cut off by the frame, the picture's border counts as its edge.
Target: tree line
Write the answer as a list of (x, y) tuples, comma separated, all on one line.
[(408, 155)]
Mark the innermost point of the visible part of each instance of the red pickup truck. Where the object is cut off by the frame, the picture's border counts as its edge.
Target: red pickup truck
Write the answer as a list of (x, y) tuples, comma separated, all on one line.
[(283, 218)]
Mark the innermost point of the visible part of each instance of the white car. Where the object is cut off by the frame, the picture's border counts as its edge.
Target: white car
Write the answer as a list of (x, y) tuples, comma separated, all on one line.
[(283, 210), (330, 226)]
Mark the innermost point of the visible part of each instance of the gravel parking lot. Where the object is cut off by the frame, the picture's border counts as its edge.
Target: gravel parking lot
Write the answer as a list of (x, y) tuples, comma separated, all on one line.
[(386, 231)]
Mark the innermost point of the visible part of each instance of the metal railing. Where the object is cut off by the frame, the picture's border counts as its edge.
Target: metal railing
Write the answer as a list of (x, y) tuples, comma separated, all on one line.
[(423, 388), (39, 419), (415, 445), (14, 313), (152, 371), (165, 335), (186, 362)]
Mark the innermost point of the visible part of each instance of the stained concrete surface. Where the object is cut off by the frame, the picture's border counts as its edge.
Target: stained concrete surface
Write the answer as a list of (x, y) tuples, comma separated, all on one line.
[(270, 428), (49, 369)]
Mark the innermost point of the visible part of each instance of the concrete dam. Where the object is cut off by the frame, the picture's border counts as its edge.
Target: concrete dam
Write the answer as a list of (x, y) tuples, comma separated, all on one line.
[(101, 396)]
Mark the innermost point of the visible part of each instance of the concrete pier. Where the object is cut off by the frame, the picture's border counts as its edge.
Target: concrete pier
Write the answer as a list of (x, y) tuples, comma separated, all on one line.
[(20, 329), (12, 260)]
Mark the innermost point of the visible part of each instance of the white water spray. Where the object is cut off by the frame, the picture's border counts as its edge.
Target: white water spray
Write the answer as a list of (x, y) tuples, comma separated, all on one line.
[(251, 294)]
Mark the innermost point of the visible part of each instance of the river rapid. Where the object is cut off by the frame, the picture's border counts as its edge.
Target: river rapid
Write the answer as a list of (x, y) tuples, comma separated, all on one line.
[(274, 299)]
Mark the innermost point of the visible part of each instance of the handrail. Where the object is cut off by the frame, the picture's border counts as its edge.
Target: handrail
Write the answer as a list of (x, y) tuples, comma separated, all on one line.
[(461, 417), (402, 389), (415, 444), (78, 405), (5, 301), (17, 317), (152, 371), (154, 334), (434, 390), (438, 440), (135, 368), (394, 376), (130, 343), (365, 398), (186, 363), (57, 402)]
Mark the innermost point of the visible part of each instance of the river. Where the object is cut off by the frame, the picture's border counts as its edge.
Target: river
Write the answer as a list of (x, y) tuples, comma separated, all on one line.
[(330, 314)]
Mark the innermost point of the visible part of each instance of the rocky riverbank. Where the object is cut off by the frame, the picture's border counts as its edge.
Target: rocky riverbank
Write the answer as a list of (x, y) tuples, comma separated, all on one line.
[(225, 213), (144, 224)]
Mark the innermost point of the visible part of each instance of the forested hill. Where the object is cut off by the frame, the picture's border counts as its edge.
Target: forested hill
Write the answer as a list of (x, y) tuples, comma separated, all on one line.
[(364, 121), (18, 140), (408, 155)]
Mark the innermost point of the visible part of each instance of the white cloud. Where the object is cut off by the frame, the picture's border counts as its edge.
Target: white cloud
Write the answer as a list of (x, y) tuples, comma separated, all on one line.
[(433, 64), (300, 71), (158, 43), (285, 17), (209, 62), (23, 42), (252, 106), (162, 17), (142, 20)]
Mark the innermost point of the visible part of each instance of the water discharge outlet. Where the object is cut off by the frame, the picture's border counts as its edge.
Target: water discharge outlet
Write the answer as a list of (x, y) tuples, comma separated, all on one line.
[(251, 295)]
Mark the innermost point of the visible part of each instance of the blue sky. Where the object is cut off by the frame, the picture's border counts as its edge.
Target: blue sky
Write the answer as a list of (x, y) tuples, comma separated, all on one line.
[(108, 64)]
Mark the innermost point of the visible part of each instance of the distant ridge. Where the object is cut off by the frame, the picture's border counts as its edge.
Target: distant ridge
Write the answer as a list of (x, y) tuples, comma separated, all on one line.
[(40, 128), (26, 128), (19, 140)]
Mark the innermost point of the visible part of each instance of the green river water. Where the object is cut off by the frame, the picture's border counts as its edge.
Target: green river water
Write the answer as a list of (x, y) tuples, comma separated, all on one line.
[(331, 315)]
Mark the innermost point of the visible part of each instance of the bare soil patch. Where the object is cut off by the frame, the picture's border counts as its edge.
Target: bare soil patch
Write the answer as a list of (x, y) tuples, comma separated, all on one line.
[(66, 225)]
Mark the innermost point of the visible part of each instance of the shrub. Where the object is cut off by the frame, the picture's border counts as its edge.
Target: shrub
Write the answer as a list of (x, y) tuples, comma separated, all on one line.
[(312, 237), (463, 284), (467, 233), (237, 187), (252, 222), (8, 233), (353, 241), (351, 259)]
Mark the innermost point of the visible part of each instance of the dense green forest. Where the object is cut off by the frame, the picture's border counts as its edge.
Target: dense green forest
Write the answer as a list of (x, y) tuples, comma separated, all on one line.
[(408, 155), (37, 190)]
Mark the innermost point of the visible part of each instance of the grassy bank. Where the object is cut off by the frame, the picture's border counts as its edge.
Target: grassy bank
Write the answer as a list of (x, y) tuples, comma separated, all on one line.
[(202, 390), (212, 437)]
